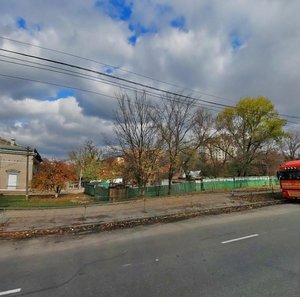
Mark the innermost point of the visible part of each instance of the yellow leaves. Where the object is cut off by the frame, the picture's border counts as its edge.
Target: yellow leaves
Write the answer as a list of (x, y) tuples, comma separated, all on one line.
[(252, 116), (251, 124)]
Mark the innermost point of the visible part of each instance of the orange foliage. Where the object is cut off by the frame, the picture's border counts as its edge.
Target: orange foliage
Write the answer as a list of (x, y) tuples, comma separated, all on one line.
[(111, 168), (53, 175)]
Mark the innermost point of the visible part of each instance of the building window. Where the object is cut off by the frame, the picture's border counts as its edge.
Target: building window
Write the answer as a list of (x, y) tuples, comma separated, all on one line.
[(12, 179)]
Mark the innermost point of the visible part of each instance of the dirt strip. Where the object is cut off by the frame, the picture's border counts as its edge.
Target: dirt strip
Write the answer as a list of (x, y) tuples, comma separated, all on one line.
[(130, 223)]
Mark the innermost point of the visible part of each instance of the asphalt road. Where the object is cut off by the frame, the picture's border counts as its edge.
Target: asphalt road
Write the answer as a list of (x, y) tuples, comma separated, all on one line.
[(254, 253)]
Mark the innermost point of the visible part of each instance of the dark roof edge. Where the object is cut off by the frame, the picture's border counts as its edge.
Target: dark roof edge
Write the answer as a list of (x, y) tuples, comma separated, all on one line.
[(18, 150)]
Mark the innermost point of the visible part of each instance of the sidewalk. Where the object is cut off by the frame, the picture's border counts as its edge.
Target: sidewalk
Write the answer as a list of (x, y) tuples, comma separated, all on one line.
[(26, 223)]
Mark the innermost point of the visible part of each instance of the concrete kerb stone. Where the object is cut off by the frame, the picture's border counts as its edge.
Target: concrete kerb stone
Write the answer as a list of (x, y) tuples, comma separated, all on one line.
[(130, 223)]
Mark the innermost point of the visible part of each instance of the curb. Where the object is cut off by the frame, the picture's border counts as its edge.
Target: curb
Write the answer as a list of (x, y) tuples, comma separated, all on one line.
[(130, 223)]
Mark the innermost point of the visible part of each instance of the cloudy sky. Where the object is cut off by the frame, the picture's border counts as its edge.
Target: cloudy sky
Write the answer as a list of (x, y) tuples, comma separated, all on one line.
[(218, 51)]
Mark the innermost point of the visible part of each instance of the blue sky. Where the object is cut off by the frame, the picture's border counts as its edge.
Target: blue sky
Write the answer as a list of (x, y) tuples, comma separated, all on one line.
[(62, 93), (122, 10), (222, 50), (21, 23), (116, 9)]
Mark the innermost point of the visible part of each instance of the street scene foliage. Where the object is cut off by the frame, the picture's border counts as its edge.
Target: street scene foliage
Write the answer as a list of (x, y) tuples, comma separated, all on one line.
[(251, 124), (138, 140), (86, 160), (238, 141), (175, 138), (53, 175)]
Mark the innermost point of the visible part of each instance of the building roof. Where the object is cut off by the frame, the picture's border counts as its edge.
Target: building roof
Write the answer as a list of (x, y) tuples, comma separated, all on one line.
[(10, 147), (3, 141)]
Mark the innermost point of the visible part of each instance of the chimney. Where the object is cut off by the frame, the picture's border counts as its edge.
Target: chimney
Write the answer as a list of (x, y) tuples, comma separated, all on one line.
[(12, 141)]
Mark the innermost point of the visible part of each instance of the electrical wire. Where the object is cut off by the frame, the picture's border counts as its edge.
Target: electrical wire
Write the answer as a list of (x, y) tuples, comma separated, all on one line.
[(85, 76), (109, 81), (113, 76), (114, 67), (90, 91)]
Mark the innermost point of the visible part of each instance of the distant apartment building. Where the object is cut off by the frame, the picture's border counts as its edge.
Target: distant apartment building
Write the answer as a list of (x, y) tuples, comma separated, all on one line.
[(15, 162), (218, 149)]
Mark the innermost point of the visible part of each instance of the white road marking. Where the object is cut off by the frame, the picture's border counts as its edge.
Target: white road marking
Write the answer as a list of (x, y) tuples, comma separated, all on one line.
[(126, 265), (10, 292), (241, 238)]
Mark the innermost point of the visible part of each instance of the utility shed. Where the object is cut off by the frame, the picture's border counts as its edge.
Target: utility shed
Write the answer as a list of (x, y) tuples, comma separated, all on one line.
[(13, 165)]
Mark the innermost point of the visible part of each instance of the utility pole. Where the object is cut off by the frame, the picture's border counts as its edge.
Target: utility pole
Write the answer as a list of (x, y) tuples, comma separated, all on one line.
[(27, 171)]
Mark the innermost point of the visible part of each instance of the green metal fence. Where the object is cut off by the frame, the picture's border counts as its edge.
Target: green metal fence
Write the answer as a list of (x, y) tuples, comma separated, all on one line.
[(98, 192), (239, 183), (101, 193)]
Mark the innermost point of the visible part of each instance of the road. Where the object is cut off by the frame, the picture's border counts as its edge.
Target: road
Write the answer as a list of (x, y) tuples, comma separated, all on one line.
[(254, 253)]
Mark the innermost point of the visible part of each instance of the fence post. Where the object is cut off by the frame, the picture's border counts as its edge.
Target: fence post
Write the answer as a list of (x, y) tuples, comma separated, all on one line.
[(233, 186), (271, 181), (202, 184)]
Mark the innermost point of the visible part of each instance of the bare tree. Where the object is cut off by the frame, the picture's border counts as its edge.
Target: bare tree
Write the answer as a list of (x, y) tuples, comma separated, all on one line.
[(137, 137), (219, 150), (202, 130), (268, 161), (173, 118), (290, 145)]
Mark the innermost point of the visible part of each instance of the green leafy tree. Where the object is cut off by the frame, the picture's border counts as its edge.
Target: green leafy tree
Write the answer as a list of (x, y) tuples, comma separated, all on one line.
[(86, 160), (251, 124)]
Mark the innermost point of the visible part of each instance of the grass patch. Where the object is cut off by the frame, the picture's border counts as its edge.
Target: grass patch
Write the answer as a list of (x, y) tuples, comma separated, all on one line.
[(41, 201)]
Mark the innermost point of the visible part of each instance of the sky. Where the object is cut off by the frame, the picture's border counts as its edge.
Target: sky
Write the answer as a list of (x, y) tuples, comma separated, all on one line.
[(216, 51)]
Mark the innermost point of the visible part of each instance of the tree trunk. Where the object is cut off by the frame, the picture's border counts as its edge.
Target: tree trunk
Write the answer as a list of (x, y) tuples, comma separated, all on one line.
[(170, 183), (142, 191), (80, 179)]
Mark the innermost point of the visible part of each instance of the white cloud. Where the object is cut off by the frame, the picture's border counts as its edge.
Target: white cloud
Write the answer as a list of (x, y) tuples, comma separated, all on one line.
[(228, 48), (55, 126)]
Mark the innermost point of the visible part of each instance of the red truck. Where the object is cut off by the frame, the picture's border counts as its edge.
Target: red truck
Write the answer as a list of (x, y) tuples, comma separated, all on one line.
[(289, 178)]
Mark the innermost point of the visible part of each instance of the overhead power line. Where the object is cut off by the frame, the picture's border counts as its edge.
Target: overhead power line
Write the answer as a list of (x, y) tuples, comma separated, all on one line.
[(97, 93), (106, 81), (72, 73), (113, 76), (216, 109), (114, 67), (55, 84), (89, 77)]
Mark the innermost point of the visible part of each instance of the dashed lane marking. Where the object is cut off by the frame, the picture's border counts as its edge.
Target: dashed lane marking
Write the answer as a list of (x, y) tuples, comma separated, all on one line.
[(14, 291), (240, 238)]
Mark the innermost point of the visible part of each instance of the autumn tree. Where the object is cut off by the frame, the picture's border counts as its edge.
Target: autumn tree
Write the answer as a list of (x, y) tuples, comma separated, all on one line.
[(173, 118), (86, 160), (137, 138), (111, 168), (53, 175), (251, 124)]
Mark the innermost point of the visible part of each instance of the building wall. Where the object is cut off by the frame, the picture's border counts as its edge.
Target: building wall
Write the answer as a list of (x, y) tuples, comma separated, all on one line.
[(15, 165)]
